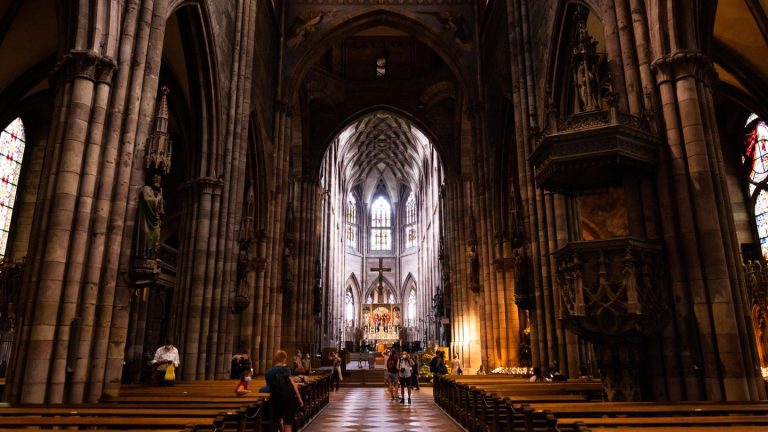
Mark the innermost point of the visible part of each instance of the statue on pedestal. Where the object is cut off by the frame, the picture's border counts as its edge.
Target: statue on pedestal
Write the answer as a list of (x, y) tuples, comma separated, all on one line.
[(150, 206), (149, 219)]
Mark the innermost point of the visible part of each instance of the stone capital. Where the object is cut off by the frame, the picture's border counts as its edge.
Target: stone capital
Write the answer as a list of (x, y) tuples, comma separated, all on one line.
[(87, 64), (283, 107), (209, 185), (105, 70), (476, 109), (684, 64)]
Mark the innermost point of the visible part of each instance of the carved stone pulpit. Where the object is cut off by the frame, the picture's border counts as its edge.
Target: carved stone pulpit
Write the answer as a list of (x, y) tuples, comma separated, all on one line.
[(612, 294)]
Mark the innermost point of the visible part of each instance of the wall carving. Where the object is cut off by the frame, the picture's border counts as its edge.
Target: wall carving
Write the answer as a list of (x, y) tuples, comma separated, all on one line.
[(383, 2)]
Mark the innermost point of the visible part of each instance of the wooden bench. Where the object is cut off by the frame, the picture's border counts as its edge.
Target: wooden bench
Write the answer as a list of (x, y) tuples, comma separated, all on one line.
[(497, 404), (702, 428), (188, 406)]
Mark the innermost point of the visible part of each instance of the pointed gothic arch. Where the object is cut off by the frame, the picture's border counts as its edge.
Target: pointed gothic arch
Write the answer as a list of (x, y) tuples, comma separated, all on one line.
[(406, 22), (387, 285), (353, 283), (200, 54)]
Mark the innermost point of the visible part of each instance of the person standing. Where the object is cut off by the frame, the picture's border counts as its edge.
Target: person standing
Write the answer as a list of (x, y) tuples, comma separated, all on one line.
[(415, 373), (456, 365), (240, 363), (336, 375), (392, 372), (283, 392), (405, 370), (437, 365), (165, 363), (297, 368)]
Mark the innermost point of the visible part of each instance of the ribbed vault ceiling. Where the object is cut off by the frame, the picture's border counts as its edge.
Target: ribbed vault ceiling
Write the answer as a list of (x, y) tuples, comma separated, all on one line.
[(382, 141)]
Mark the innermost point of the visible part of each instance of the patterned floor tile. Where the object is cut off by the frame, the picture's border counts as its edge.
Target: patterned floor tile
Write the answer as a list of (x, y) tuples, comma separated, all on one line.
[(371, 409)]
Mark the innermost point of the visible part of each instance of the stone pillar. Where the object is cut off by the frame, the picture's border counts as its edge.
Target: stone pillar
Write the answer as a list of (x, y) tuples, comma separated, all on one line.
[(710, 278), (46, 350), (465, 303)]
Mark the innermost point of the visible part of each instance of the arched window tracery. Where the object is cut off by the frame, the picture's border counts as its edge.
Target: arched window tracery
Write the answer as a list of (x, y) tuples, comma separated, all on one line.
[(410, 222), (381, 225), (411, 308), (756, 162), (12, 144), (351, 217), (349, 309)]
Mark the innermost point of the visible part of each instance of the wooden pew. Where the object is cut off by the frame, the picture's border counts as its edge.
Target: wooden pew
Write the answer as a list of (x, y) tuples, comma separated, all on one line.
[(496, 404), (188, 406)]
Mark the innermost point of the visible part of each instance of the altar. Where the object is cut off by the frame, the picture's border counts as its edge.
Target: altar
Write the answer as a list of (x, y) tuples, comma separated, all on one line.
[(381, 323)]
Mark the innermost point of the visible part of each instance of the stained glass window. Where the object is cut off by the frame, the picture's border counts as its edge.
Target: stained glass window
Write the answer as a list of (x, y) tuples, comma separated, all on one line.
[(410, 210), (352, 236), (410, 221), (351, 210), (756, 159), (411, 311), (351, 233), (349, 309), (12, 142), (381, 223)]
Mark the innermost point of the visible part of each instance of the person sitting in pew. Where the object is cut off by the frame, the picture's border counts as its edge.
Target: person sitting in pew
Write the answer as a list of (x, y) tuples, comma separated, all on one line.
[(242, 386), (583, 375), (536, 377), (555, 375)]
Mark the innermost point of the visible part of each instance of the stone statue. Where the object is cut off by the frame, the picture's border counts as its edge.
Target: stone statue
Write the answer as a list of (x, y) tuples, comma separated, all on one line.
[(303, 27), (586, 88), (584, 64), (149, 219), (474, 268), (455, 24)]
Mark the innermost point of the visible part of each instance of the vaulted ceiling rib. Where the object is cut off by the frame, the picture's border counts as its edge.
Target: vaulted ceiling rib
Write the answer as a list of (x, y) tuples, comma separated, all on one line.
[(382, 138)]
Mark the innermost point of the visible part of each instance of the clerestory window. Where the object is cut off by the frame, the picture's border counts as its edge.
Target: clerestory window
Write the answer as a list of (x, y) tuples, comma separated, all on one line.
[(381, 225)]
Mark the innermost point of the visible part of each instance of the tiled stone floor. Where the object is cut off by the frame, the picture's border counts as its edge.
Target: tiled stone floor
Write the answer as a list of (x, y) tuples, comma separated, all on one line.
[(370, 409)]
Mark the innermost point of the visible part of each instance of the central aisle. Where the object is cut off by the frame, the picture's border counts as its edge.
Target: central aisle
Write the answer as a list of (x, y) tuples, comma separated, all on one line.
[(370, 409)]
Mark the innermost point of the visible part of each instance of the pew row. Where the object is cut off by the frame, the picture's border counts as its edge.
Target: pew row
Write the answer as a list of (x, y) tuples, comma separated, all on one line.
[(188, 406), (498, 403)]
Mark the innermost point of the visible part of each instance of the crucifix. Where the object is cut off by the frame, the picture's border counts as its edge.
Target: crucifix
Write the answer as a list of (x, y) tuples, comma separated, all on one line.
[(381, 271)]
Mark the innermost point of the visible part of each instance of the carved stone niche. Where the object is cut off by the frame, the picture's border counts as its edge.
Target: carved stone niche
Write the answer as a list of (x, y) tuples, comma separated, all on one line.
[(611, 289), (593, 149)]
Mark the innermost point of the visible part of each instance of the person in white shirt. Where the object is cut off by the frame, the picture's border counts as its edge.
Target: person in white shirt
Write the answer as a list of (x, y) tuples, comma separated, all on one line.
[(456, 365), (165, 355)]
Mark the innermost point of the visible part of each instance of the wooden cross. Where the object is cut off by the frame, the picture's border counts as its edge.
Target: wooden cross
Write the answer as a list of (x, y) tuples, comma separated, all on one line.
[(381, 271), (381, 268)]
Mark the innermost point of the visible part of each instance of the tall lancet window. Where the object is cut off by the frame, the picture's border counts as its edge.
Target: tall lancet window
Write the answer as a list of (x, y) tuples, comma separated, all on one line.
[(410, 312), (349, 309), (756, 161), (410, 222), (352, 222), (381, 225), (12, 143)]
